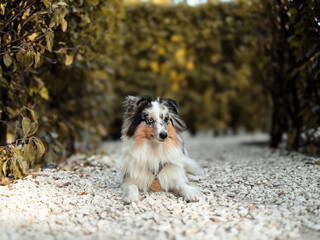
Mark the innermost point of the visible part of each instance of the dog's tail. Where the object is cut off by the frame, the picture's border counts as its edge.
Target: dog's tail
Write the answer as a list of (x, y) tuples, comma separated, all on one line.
[(192, 166)]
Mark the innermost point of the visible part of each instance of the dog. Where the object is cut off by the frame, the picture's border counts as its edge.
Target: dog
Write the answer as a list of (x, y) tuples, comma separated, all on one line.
[(153, 154)]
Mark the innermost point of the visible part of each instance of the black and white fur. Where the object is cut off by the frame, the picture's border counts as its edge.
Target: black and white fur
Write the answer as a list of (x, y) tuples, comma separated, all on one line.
[(153, 147)]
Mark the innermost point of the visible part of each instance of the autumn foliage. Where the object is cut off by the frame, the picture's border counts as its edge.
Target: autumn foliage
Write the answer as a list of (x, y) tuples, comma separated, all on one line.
[(53, 54)]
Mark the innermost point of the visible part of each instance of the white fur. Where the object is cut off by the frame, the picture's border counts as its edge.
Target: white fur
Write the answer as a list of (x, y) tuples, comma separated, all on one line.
[(137, 164)]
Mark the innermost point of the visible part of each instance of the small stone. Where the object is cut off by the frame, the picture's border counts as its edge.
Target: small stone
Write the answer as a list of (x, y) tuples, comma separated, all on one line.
[(243, 212), (218, 219)]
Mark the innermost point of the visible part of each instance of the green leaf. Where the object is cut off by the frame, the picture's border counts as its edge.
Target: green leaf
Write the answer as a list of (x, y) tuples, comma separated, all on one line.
[(23, 162), (17, 172), (4, 168), (7, 60), (28, 153), (19, 57), (37, 167), (49, 41), (37, 58), (26, 125), (33, 114), (34, 127), (1, 172)]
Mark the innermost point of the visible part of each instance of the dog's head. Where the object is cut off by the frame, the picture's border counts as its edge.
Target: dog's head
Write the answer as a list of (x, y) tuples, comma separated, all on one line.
[(154, 120)]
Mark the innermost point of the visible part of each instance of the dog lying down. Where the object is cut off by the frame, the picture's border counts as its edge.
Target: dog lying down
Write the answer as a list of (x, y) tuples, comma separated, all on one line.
[(153, 154)]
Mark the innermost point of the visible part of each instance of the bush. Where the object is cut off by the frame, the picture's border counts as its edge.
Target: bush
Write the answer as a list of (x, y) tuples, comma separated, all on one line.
[(49, 51), (289, 44)]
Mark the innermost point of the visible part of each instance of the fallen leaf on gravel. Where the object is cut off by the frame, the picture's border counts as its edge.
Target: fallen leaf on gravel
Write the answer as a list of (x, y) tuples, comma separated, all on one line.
[(87, 164), (5, 181), (252, 208), (87, 175), (317, 163), (10, 186), (155, 186), (84, 193)]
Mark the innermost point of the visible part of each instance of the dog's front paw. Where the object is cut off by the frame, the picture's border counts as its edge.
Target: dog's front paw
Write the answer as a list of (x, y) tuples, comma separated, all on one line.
[(191, 197), (131, 194)]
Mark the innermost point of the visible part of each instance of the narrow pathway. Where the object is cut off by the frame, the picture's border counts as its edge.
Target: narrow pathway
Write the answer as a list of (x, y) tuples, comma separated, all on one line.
[(246, 193)]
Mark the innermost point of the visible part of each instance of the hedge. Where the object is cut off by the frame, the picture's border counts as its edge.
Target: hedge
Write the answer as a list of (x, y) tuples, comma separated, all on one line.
[(199, 56), (53, 60), (251, 65)]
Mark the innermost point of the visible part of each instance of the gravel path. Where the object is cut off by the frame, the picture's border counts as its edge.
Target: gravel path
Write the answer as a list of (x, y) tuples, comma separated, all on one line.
[(247, 193)]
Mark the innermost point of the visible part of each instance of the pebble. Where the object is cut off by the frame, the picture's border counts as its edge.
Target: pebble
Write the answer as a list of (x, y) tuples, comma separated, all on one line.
[(218, 219)]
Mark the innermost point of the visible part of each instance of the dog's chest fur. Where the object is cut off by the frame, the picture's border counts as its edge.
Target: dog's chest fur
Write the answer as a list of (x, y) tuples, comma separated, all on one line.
[(150, 156)]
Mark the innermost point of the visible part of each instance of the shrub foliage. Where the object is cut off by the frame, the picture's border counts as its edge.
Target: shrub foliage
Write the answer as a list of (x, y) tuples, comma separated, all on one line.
[(53, 61), (197, 55)]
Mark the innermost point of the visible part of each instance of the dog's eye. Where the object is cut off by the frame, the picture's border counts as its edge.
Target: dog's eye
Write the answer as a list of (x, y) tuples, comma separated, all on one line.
[(166, 119), (150, 120)]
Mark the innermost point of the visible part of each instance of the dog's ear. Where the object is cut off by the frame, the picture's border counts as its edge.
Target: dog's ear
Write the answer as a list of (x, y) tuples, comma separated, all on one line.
[(173, 107), (135, 104)]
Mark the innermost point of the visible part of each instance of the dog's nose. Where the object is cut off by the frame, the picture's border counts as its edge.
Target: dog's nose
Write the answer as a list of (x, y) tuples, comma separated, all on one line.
[(163, 135)]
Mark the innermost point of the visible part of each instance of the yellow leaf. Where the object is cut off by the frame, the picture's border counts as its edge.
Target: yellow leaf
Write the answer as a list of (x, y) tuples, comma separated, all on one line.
[(46, 2), (190, 65), (176, 38), (154, 66), (69, 59), (32, 36), (161, 51), (3, 8), (4, 168), (40, 147), (37, 58), (64, 25), (44, 93), (180, 56)]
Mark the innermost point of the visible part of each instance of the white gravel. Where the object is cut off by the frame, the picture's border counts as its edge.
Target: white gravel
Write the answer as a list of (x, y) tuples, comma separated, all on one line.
[(247, 193)]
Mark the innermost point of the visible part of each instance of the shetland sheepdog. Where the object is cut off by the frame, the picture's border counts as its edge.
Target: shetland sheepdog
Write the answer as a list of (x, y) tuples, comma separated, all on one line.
[(153, 154)]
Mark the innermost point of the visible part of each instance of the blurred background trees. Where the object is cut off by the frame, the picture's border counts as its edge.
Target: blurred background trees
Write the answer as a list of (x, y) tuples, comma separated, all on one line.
[(232, 65)]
